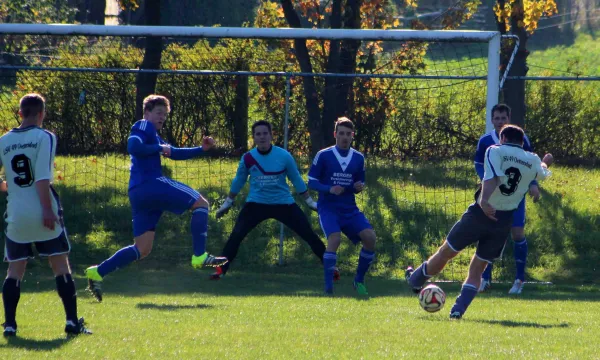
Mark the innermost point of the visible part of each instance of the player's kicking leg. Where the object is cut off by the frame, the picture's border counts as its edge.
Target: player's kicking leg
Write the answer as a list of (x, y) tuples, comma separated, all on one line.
[(199, 227)]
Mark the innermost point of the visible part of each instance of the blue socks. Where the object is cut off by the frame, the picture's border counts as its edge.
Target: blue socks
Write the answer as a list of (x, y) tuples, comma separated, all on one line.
[(521, 258), (120, 259), (199, 225), (364, 262), (487, 274), (329, 261), (467, 294), (419, 277)]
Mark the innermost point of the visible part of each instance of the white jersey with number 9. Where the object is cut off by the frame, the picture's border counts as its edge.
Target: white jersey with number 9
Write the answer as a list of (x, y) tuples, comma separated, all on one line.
[(27, 156)]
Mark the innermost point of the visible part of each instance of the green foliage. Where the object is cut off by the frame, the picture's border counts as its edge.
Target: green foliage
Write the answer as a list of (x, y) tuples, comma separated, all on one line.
[(36, 11), (557, 111)]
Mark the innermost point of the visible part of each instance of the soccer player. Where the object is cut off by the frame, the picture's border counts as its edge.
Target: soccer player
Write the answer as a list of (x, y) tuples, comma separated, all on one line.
[(269, 196), (151, 193), (508, 172), (34, 213), (501, 117), (338, 173)]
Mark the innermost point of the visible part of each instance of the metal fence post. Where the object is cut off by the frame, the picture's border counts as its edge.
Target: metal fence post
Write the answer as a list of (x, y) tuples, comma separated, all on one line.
[(285, 146)]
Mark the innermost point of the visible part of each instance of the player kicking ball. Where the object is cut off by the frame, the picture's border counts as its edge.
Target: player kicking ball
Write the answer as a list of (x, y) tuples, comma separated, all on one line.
[(508, 172), (151, 193), (34, 214), (338, 173)]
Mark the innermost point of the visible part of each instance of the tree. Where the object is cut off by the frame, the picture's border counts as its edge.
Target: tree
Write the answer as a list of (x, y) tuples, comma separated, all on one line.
[(146, 82), (520, 17), (327, 99)]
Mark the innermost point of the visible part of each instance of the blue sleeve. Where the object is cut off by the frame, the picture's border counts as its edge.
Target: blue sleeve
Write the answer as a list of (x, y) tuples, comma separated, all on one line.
[(314, 175), (136, 143), (137, 148), (480, 158), (316, 185), (240, 179), (479, 170), (294, 175), (186, 153), (359, 176)]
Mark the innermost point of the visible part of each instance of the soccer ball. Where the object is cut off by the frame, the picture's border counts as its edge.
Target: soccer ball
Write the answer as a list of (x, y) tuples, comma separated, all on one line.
[(432, 298)]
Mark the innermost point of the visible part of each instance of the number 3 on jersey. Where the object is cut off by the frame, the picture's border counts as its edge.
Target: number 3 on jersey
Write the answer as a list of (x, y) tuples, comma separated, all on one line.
[(21, 165), (514, 177)]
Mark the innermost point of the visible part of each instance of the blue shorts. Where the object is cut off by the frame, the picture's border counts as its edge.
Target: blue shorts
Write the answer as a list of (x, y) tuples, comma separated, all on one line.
[(351, 224), (150, 198), (519, 215)]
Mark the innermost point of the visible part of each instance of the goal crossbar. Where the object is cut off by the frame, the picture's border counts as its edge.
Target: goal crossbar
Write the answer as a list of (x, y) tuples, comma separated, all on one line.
[(250, 33), (492, 38)]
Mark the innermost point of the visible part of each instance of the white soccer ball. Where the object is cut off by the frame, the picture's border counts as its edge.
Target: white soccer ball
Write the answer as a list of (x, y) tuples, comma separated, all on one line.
[(432, 298)]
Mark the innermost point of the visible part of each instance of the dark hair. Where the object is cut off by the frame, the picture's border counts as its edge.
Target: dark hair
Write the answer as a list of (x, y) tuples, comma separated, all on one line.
[(513, 133), (261, 123), (344, 121), (501, 108), (156, 100), (32, 104)]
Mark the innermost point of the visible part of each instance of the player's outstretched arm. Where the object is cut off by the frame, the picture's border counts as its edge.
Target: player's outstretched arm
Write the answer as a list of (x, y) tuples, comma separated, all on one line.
[(190, 153), (136, 147)]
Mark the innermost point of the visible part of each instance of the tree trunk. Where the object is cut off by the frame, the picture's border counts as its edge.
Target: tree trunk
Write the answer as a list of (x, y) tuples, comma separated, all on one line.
[(513, 93), (240, 114), (348, 52), (146, 82), (310, 89), (330, 93)]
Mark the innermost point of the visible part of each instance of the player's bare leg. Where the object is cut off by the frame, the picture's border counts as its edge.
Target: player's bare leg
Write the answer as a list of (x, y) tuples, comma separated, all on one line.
[(433, 266)]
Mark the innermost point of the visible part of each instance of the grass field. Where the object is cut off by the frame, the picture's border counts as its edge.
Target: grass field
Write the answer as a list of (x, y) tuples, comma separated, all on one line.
[(274, 314)]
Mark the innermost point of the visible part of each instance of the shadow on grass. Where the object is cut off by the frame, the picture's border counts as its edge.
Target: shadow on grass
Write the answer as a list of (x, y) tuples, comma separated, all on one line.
[(172, 307), (512, 323), (17, 342)]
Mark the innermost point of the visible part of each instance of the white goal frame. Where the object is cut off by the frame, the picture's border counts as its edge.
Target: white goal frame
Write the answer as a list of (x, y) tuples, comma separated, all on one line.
[(492, 38)]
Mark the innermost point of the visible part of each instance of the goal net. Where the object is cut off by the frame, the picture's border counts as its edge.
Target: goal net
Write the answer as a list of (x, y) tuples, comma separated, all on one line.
[(420, 101)]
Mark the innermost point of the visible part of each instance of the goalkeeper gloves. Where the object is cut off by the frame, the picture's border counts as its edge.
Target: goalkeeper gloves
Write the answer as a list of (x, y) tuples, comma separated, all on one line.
[(311, 203), (224, 209)]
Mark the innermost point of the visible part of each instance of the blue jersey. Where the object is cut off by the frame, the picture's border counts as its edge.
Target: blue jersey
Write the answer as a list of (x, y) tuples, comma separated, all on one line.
[(268, 172), (484, 143), (330, 167), (145, 165)]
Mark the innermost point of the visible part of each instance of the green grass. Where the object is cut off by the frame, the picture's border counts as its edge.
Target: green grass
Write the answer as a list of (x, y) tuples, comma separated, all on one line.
[(178, 313), (582, 57)]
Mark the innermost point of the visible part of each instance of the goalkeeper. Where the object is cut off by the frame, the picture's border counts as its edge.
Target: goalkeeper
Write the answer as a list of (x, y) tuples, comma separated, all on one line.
[(269, 196)]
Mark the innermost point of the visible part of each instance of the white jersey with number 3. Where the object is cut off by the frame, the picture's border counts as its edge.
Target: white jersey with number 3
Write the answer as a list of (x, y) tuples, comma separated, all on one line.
[(27, 156), (516, 168)]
